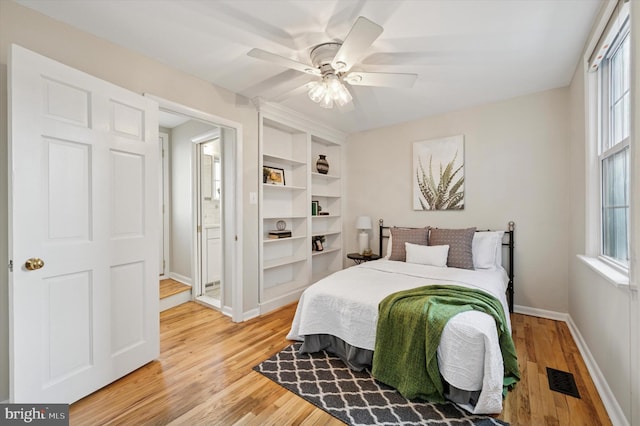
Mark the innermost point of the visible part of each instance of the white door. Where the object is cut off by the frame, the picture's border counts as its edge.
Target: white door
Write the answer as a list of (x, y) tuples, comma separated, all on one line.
[(83, 188)]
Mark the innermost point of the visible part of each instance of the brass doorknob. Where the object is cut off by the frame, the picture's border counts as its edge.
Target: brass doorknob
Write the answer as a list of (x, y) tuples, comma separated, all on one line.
[(33, 264)]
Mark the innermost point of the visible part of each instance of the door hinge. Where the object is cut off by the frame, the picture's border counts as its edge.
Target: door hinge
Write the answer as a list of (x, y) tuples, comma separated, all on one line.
[(164, 265), (199, 229), (10, 265), (236, 238)]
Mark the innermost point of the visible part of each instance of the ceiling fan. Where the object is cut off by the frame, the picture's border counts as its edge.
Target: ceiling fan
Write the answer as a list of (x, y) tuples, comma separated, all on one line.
[(332, 62)]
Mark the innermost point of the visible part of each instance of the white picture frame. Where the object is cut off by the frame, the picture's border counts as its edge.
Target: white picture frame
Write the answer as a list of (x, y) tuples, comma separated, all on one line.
[(438, 174)]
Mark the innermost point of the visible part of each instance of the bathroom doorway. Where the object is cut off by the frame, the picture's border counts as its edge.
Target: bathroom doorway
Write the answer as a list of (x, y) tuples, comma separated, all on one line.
[(210, 217), (205, 205)]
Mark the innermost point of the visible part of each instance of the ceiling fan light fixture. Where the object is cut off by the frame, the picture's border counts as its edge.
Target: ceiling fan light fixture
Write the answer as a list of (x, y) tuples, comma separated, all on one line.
[(339, 93), (333, 84), (317, 91), (343, 97), (328, 91), (327, 101)]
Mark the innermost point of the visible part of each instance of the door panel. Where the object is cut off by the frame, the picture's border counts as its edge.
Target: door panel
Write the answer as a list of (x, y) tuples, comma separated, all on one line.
[(83, 198), (127, 195), (127, 120), (67, 336), (127, 321), (66, 103), (68, 190)]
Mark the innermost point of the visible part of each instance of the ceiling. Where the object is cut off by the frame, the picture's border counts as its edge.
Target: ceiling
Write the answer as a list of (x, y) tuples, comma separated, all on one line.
[(466, 52)]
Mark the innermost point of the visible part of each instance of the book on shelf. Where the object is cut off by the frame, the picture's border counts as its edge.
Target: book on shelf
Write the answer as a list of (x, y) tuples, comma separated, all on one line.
[(279, 234)]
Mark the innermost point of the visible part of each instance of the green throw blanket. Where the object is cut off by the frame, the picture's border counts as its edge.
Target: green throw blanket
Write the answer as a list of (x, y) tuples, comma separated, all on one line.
[(410, 324)]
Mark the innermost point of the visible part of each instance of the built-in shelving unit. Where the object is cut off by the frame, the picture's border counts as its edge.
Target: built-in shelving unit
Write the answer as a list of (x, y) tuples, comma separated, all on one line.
[(292, 144)]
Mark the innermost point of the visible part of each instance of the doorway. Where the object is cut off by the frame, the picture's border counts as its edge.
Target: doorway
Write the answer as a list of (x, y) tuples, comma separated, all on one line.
[(210, 200), (204, 205)]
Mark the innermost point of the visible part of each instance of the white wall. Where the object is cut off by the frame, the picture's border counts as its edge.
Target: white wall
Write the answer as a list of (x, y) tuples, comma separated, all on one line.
[(600, 311), (137, 73), (515, 170)]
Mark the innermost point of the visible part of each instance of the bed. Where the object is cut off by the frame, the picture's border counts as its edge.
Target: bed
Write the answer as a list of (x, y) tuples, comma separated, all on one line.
[(340, 313)]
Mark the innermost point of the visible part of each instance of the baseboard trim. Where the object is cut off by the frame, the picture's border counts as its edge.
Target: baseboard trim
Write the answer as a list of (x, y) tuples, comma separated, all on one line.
[(542, 313), (253, 313), (616, 415), (608, 398), (226, 310), (181, 279), (281, 301)]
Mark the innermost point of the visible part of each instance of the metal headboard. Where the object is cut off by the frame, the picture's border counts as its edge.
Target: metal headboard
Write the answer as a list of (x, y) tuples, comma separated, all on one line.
[(509, 243)]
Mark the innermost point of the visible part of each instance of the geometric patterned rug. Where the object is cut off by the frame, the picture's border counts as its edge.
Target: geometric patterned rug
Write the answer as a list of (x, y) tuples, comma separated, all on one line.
[(355, 397)]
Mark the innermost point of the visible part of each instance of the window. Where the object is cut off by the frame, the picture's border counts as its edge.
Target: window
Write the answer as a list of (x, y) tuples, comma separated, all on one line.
[(613, 148)]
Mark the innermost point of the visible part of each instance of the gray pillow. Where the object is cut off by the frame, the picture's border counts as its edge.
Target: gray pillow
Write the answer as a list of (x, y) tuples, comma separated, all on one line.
[(459, 241), (399, 236)]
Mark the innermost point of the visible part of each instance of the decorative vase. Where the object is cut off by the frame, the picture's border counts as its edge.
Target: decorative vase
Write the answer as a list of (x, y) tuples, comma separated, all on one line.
[(322, 165)]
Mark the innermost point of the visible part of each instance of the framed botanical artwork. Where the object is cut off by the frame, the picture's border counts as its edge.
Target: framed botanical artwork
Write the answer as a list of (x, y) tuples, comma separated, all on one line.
[(438, 174), (273, 175)]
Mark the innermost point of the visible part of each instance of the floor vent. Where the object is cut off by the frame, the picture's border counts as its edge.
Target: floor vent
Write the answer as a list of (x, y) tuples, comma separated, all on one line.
[(563, 382)]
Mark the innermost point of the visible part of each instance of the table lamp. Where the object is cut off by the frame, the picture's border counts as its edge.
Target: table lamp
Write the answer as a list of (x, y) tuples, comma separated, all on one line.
[(363, 223)]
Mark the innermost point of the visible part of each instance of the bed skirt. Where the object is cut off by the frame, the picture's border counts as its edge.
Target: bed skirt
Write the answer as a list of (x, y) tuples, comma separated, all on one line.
[(359, 359), (356, 358)]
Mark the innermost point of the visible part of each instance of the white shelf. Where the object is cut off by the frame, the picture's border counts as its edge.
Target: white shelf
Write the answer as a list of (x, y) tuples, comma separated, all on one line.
[(326, 234), (266, 158), (324, 195), (283, 187), (327, 176), (283, 261), (324, 142), (294, 144), (292, 217), (279, 240), (325, 251)]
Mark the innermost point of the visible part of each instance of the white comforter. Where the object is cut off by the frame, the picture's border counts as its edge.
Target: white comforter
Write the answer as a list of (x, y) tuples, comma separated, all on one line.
[(345, 305)]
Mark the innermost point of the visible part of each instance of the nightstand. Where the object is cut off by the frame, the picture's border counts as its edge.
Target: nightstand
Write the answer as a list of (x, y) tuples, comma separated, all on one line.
[(358, 258)]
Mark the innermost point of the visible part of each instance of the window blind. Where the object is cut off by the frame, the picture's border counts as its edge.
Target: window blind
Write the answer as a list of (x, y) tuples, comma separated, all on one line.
[(616, 21)]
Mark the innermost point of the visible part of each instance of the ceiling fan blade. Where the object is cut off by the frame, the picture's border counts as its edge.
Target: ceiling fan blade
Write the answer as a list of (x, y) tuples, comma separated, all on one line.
[(281, 60), (360, 37), (383, 79)]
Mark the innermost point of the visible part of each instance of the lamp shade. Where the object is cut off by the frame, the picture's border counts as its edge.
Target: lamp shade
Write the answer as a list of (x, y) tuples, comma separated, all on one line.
[(363, 222)]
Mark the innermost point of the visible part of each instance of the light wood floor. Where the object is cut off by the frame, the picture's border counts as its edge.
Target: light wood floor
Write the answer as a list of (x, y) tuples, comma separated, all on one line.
[(204, 377), (170, 287)]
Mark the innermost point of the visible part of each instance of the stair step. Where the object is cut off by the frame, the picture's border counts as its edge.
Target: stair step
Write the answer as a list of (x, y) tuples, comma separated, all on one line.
[(173, 293), (171, 287)]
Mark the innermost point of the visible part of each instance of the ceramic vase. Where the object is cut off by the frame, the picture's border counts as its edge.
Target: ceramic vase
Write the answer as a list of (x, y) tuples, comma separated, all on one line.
[(322, 165)]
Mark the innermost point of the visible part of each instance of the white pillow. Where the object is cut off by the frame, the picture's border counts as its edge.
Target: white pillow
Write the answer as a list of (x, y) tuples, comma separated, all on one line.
[(388, 253), (427, 255), (486, 248)]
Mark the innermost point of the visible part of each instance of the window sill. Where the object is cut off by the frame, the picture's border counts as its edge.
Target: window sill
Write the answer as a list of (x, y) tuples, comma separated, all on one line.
[(615, 277)]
